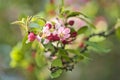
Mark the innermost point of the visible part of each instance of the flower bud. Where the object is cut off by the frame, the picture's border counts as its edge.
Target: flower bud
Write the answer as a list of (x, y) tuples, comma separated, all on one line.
[(81, 45), (31, 36), (71, 22), (49, 25), (73, 34), (65, 42)]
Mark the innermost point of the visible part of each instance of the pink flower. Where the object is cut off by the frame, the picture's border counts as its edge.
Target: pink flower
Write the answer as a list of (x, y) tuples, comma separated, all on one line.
[(46, 31), (38, 38), (46, 41), (78, 23), (63, 33), (31, 36)]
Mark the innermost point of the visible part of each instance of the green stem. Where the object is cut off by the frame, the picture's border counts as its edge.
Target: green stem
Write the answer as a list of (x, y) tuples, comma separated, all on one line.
[(62, 3)]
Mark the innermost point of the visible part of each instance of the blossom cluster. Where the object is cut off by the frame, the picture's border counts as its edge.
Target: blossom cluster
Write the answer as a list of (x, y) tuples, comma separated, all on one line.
[(55, 30)]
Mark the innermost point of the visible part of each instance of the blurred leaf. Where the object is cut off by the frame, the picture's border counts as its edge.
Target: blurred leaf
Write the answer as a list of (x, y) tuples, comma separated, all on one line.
[(57, 63), (90, 9), (25, 46), (40, 21), (72, 14), (33, 25), (78, 56), (97, 38), (118, 32), (82, 30), (98, 48), (40, 60), (66, 12), (56, 74)]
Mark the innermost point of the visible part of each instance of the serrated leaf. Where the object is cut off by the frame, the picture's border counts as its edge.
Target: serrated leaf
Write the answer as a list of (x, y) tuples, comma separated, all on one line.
[(82, 30), (57, 63), (98, 48), (56, 74)]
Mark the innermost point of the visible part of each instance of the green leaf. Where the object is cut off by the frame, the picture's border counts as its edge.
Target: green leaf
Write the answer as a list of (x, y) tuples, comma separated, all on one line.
[(40, 60), (72, 14), (97, 38), (34, 25), (56, 74), (65, 12), (118, 32), (41, 21), (82, 30), (97, 47), (63, 54), (57, 63)]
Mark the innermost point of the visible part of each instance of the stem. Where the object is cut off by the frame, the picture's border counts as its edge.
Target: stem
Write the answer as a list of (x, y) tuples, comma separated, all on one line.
[(105, 34), (62, 3)]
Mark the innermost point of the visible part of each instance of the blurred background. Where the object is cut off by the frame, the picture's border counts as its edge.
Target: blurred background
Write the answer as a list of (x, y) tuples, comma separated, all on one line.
[(101, 67)]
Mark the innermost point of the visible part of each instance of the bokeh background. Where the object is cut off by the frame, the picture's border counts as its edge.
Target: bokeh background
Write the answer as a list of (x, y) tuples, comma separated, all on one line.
[(100, 67)]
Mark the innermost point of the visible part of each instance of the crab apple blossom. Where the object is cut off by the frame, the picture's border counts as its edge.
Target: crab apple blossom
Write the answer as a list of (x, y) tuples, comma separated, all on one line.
[(63, 33), (46, 41), (78, 23), (31, 36), (46, 31)]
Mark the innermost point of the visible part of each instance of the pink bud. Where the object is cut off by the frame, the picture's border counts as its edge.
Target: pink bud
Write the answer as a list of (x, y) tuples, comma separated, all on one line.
[(54, 57), (65, 42), (71, 22), (31, 67), (49, 25), (81, 45), (73, 34), (31, 36)]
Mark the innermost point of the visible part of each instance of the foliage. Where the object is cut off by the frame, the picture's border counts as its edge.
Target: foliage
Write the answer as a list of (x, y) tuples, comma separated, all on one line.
[(47, 42)]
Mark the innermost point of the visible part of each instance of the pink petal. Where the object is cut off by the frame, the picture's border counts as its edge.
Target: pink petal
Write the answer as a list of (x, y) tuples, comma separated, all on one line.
[(60, 30), (66, 31), (38, 38), (66, 35), (46, 41)]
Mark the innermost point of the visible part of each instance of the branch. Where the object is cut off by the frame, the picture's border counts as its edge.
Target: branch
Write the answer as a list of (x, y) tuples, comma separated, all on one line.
[(104, 34)]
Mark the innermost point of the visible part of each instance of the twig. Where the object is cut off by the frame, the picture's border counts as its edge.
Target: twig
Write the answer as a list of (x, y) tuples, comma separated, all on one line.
[(104, 34)]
